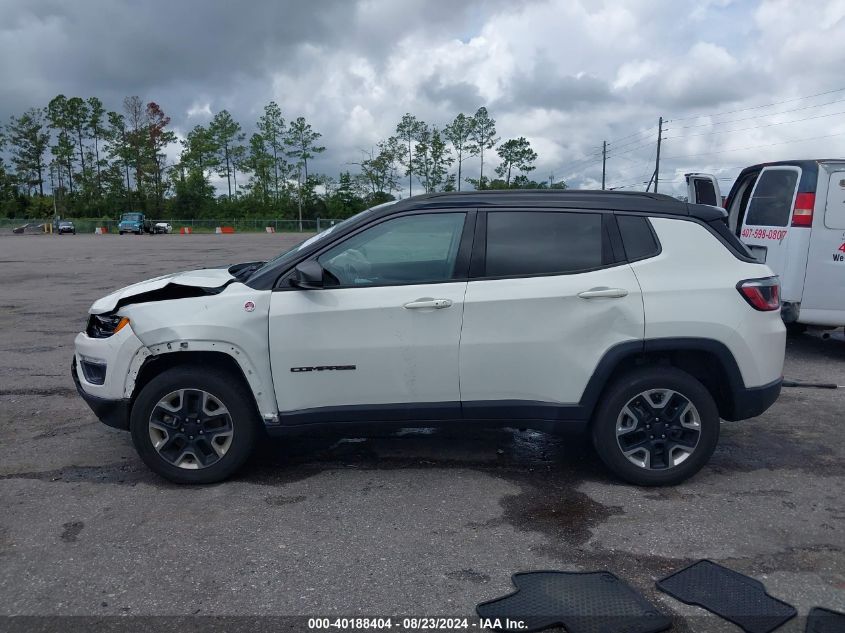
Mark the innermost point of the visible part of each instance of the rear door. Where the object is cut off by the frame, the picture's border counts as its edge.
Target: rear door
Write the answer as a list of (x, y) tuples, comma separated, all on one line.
[(545, 301), (703, 189), (824, 285), (767, 228)]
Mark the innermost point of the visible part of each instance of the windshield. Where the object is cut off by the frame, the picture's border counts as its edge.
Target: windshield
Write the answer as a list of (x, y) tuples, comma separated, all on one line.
[(131, 217), (322, 235)]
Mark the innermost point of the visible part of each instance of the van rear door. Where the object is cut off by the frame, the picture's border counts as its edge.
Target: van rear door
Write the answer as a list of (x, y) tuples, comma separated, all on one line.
[(770, 232), (703, 189), (824, 285)]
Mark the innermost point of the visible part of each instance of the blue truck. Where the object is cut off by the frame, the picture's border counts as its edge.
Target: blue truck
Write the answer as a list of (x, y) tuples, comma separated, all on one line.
[(134, 222)]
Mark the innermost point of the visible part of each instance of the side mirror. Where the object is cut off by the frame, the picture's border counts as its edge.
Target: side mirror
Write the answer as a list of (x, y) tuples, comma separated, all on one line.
[(308, 275)]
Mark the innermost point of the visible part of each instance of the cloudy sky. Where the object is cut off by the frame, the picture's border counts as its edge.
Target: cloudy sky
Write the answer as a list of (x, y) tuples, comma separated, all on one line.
[(567, 74)]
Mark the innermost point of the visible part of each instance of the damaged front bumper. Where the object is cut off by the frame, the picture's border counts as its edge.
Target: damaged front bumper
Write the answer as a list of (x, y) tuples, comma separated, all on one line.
[(104, 372), (114, 413)]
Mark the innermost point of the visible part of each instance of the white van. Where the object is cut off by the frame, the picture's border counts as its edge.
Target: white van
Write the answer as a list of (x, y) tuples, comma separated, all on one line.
[(791, 216)]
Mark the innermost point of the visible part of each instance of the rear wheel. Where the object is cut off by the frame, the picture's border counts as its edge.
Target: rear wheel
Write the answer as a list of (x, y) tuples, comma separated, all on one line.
[(194, 426), (795, 329), (656, 426)]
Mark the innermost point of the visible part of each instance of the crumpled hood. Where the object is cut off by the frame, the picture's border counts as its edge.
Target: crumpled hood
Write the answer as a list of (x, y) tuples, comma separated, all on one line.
[(211, 278)]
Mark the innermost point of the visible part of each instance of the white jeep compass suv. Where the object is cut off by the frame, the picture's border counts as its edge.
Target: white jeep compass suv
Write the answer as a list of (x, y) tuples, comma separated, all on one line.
[(633, 316)]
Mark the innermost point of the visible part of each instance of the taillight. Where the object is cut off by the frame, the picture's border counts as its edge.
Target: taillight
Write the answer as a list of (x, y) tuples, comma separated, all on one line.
[(802, 214), (761, 294)]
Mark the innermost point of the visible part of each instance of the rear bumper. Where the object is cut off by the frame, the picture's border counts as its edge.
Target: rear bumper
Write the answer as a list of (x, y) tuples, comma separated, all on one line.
[(114, 413), (749, 402)]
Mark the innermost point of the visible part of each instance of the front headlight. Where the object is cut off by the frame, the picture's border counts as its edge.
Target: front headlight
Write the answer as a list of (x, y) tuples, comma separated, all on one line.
[(103, 326)]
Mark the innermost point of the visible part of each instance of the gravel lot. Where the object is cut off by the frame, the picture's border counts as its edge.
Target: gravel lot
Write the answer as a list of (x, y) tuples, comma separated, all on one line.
[(414, 523)]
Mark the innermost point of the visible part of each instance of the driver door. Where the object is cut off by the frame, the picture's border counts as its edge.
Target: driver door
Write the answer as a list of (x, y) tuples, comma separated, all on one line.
[(384, 332)]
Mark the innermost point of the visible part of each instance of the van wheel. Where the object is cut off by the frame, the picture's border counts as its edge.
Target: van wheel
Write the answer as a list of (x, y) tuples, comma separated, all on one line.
[(795, 329), (656, 426), (194, 426)]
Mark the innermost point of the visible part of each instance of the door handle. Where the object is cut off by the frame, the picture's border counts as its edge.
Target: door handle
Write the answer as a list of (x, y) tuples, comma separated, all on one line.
[(437, 304), (603, 293)]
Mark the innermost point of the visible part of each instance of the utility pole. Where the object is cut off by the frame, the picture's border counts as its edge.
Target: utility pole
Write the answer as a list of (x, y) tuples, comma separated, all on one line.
[(657, 161), (603, 162), (299, 182)]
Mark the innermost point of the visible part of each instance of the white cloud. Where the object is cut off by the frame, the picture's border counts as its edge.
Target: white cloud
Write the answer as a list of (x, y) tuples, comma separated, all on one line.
[(567, 74), (200, 110)]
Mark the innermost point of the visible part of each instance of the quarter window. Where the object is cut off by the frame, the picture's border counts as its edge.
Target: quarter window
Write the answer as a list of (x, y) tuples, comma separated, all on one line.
[(637, 237), (538, 242), (410, 249)]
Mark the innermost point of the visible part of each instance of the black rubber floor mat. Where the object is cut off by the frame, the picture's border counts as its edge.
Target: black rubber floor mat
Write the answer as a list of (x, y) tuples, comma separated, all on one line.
[(737, 598), (825, 621), (593, 602)]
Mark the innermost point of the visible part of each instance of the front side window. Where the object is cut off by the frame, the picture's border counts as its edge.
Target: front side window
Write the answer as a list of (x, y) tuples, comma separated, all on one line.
[(771, 202), (542, 242), (405, 250)]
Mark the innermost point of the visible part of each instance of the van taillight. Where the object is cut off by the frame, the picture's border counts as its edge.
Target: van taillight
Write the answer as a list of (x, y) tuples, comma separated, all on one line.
[(761, 294), (802, 214)]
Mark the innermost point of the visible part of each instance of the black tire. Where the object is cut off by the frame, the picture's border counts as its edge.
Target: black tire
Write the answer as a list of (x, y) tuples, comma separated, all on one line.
[(795, 329), (659, 473), (223, 387), (120, 232)]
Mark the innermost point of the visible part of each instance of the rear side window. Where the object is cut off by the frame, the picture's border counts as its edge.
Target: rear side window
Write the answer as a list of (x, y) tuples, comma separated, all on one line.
[(637, 237), (771, 202), (537, 242)]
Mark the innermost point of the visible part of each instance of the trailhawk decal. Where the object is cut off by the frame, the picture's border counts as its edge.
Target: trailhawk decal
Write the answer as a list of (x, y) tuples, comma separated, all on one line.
[(297, 370)]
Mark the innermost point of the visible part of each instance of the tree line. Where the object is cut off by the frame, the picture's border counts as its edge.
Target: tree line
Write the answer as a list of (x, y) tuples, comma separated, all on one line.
[(73, 158)]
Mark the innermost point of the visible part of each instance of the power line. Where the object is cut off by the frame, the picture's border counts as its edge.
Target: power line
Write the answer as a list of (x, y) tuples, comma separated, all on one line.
[(767, 105), (755, 127), (633, 184), (590, 159), (739, 149), (642, 133), (633, 141), (612, 154), (756, 116)]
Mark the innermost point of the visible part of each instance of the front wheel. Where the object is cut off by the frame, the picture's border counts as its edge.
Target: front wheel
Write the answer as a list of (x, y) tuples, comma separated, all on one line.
[(656, 426), (192, 425)]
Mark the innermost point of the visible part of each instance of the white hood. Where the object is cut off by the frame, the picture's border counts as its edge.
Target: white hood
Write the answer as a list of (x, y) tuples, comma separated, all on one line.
[(204, 278)]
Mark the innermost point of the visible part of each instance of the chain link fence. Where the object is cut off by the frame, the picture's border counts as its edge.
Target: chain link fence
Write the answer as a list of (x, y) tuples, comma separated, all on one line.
[(240, 225)]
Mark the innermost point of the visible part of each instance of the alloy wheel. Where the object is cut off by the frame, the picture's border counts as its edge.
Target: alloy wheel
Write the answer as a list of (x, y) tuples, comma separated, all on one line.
[(658, 429), (191, 428)]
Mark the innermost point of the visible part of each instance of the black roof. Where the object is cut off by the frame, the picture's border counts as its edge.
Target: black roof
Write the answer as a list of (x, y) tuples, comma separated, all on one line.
[(633, 201)]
